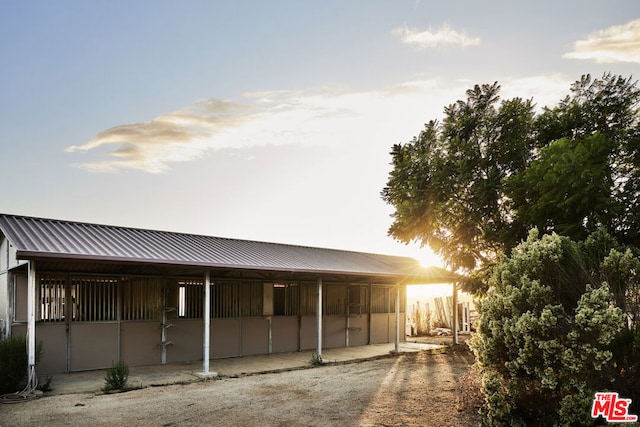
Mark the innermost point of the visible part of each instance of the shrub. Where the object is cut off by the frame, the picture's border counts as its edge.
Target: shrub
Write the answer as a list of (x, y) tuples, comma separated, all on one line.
[(625, 366), (543, 336), (13, 364), (116, 378)]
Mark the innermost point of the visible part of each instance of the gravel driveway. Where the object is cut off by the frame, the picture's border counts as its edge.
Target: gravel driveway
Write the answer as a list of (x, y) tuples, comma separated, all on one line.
[(412, 389)]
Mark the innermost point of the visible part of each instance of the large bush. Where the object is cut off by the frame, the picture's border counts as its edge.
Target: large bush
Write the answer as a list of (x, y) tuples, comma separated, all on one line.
[(13, 364), (544, 338)]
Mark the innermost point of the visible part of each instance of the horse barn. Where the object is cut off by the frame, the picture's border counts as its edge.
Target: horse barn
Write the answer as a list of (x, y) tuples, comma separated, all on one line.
[(91, 295)]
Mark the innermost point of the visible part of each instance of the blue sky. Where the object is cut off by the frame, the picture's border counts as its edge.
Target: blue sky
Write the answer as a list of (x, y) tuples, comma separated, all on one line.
[(264, 120)]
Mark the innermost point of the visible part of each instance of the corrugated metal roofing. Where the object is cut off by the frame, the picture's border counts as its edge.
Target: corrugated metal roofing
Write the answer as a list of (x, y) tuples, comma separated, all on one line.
[(39, 238)]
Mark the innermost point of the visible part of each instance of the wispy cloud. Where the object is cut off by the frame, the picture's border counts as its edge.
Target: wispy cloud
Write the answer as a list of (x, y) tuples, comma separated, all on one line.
[(173, 137), (444, 35), (322, 117), (361, 122), (620, 43), (276, 118)]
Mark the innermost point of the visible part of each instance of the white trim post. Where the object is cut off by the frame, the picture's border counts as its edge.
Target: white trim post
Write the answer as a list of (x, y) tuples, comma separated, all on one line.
[(319, 320), (31, 326), (207, 322), (397, 310), (455, 313)]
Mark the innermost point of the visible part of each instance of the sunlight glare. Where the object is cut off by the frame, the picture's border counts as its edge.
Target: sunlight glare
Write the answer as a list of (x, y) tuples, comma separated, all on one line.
[(420, 292), (426, 256)]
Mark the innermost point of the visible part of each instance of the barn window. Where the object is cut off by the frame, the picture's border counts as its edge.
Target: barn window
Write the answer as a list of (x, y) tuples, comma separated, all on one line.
[(94, 299), (251, 299), (190, 294), (225, 300), (286, 298), (358, 301), (228, 299), (52, 298), (141, 298), (383, 299), (335, 300), (236, 299), (308, 299), (380, 299)]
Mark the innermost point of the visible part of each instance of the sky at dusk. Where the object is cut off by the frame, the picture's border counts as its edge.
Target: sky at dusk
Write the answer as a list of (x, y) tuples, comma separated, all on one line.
[(265, 120)]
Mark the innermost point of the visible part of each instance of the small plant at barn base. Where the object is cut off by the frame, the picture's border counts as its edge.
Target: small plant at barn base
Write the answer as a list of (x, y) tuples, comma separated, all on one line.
[(116, 378)]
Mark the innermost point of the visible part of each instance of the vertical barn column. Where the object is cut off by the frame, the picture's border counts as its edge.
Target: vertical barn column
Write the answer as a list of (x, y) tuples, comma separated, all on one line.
[(319, 318), (206, 314), (455, 313), (397, 310), (31, 327)]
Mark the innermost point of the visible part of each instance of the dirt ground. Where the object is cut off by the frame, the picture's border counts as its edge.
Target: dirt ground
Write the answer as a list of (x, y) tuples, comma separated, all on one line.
[(412, 389)]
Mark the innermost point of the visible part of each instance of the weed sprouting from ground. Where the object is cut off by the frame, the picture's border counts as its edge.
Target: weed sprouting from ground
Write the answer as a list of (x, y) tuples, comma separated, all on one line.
[(116, 378)]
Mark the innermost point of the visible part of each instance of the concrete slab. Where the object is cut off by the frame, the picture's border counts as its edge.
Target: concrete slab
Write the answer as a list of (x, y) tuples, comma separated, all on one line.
[(182, 373)]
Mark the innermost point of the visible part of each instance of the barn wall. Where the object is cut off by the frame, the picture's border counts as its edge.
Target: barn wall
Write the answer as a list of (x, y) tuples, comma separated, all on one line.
[(358, 330), (255, 336), (334, 331), (53, 338), (93, 345), (225, 338), (4, 286), (380, 328), (4, 254), (5, 316), (20, 309), (308, 330), (140, 343), (19, 330), (7, 254), (186, 336), (284, 334), (97, 308)]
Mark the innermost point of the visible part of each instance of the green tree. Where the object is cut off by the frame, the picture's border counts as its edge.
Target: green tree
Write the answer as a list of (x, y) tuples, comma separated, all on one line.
[(471, 186), (587, 170), (446, 184), (567, 188)]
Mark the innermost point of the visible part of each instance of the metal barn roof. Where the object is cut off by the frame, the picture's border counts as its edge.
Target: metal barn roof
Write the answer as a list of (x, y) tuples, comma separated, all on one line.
[(50, 239)]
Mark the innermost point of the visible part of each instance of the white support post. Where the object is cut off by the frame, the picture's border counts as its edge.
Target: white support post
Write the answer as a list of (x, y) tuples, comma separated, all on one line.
[(397, 310), (455, 313), (31, 327), (319, 320), (207, 322)]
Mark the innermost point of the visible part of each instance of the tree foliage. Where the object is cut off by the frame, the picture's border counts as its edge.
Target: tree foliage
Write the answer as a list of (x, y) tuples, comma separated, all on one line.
[(446, 184), (472, 185)]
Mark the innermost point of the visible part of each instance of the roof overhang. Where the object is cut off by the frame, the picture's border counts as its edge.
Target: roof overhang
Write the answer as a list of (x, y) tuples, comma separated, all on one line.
[(60, 245), (423, 276)]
